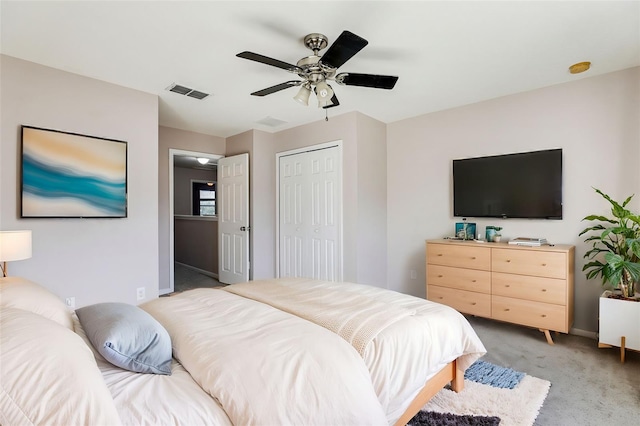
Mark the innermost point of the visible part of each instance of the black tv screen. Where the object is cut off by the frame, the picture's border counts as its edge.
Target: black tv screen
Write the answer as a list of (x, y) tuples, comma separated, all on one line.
[(524, 185)]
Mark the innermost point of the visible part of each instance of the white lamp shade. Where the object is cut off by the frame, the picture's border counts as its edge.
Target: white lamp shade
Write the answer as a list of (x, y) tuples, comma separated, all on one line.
[(303, 95), (323, 92), (15, 245)]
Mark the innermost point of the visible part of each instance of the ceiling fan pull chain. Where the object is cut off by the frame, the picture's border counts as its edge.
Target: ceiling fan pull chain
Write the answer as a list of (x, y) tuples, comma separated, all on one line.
[(326, 115)]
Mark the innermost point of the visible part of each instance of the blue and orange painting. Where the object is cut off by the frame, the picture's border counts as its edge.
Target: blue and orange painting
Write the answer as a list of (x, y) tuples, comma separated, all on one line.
[(71, 175)]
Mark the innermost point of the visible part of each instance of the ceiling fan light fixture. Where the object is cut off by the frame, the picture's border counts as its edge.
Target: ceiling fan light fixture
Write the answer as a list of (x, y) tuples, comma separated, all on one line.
[(315, 70), (303, 94), (202, 160), (324, 91)]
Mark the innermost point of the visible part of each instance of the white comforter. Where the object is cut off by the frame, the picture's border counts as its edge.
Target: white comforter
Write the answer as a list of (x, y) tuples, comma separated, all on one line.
[(265, 366), (153, 399), (403, 355)]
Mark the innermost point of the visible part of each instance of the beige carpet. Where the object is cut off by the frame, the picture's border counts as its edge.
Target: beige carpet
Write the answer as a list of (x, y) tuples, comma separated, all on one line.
[(589, 386)]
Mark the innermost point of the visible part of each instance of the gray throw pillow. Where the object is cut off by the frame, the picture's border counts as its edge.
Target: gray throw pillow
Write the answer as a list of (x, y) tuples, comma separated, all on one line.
[(127, 337)]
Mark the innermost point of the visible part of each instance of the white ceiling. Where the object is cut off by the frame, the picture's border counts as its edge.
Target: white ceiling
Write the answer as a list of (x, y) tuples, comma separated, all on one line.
[(446, 54)]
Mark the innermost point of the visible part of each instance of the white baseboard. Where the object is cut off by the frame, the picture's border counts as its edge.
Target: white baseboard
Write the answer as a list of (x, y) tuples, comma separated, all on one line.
[(202, 271)]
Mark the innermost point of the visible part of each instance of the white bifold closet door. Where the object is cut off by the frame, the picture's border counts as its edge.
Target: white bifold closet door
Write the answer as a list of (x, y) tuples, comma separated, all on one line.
[(310, 218)]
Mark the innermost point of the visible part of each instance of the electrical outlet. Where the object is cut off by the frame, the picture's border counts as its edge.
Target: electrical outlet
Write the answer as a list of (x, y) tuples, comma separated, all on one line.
[(413, 274), (140, 293), (70, 302)]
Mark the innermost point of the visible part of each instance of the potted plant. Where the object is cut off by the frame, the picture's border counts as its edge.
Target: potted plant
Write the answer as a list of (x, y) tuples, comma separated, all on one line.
[(615, 258), (618, 238)]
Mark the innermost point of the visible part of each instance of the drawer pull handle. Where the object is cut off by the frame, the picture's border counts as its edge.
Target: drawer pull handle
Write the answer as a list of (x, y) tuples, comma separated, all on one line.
[(544, 264), (440, 297), (506, 310), (473, 281), (474, 304), (439, 254), (508, 260), (439, 276), (544, 316), (544, 289), (473, 258), (507, 285)]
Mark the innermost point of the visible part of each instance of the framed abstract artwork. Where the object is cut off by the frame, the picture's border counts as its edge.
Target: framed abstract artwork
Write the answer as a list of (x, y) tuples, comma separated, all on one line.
[(72, 175)]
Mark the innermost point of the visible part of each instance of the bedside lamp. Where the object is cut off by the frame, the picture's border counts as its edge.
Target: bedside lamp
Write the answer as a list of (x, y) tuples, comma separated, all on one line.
[(14, 245)]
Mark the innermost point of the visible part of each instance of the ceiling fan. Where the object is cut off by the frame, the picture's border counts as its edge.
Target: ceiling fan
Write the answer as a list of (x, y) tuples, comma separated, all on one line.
[(316, 70)]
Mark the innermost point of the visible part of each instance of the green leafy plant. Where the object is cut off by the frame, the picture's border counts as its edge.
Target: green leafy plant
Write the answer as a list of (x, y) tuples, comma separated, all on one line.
[(615, 252)]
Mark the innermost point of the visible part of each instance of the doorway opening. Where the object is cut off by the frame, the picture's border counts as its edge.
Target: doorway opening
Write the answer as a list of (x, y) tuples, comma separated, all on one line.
[(193, 242)]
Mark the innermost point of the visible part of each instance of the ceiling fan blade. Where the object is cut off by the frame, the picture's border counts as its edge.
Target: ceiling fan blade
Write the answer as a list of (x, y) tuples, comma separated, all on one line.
[(343, 49), (334, 102), (277, 88), (269, 61), (367, 80)]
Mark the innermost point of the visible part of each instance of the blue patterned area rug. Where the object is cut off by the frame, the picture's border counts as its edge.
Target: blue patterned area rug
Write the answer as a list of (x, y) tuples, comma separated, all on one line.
[(492, 396)]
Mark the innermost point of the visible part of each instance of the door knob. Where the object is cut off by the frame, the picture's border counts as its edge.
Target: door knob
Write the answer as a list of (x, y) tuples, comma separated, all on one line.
[(245, 228)]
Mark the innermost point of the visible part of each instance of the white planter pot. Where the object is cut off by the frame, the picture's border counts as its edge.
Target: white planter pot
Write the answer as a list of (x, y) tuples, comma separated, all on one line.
[(619, 318)]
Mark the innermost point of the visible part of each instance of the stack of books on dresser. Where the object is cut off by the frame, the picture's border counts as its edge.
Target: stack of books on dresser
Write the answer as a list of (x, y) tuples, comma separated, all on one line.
[(531, 242)]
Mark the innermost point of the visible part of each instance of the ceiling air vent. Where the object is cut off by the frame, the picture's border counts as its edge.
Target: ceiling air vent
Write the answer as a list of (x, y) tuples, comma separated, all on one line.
[(182, 90), (197, 95)]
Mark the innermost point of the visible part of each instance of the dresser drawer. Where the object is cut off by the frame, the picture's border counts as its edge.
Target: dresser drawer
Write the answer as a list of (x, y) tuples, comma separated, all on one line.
[(539, 289), (534, 314), (468, 302), (460, 278), (470, 257), (530, 262)]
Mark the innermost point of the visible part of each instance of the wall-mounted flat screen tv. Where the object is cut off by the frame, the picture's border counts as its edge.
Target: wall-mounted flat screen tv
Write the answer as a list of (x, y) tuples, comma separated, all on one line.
[(523, 185), (72, 175)]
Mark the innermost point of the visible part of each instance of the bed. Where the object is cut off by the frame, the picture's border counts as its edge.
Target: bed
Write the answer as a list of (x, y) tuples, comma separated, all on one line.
[(286, 351)]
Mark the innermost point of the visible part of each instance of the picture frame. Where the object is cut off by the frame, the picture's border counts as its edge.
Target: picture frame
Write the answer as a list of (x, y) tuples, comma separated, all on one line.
[(70, 175), (465, 230)]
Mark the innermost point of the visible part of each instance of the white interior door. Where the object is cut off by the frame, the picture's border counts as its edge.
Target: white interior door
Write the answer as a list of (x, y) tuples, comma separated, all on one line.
[(233, 218), (310, 217)]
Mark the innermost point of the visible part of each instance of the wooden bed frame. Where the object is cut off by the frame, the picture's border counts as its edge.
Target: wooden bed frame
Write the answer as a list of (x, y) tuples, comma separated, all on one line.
[(449, 374)]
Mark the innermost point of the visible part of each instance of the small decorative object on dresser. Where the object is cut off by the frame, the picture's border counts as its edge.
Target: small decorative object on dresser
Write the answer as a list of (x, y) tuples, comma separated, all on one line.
[(615, 258), (492, 234), (531, 286), (465, 230)]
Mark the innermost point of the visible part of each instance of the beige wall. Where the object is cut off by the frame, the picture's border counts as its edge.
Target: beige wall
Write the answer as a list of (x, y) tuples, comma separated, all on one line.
[(372, 202), (594, 120), (93, 260), (263, 205), (196, 243), (169, 138)]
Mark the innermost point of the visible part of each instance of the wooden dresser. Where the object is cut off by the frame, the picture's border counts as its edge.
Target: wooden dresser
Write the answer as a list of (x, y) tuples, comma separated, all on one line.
[(531, 286)]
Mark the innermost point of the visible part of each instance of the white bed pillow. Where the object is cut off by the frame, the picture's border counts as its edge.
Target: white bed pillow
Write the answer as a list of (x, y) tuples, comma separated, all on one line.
[(127, 337), (16, 292), (49, 375)]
